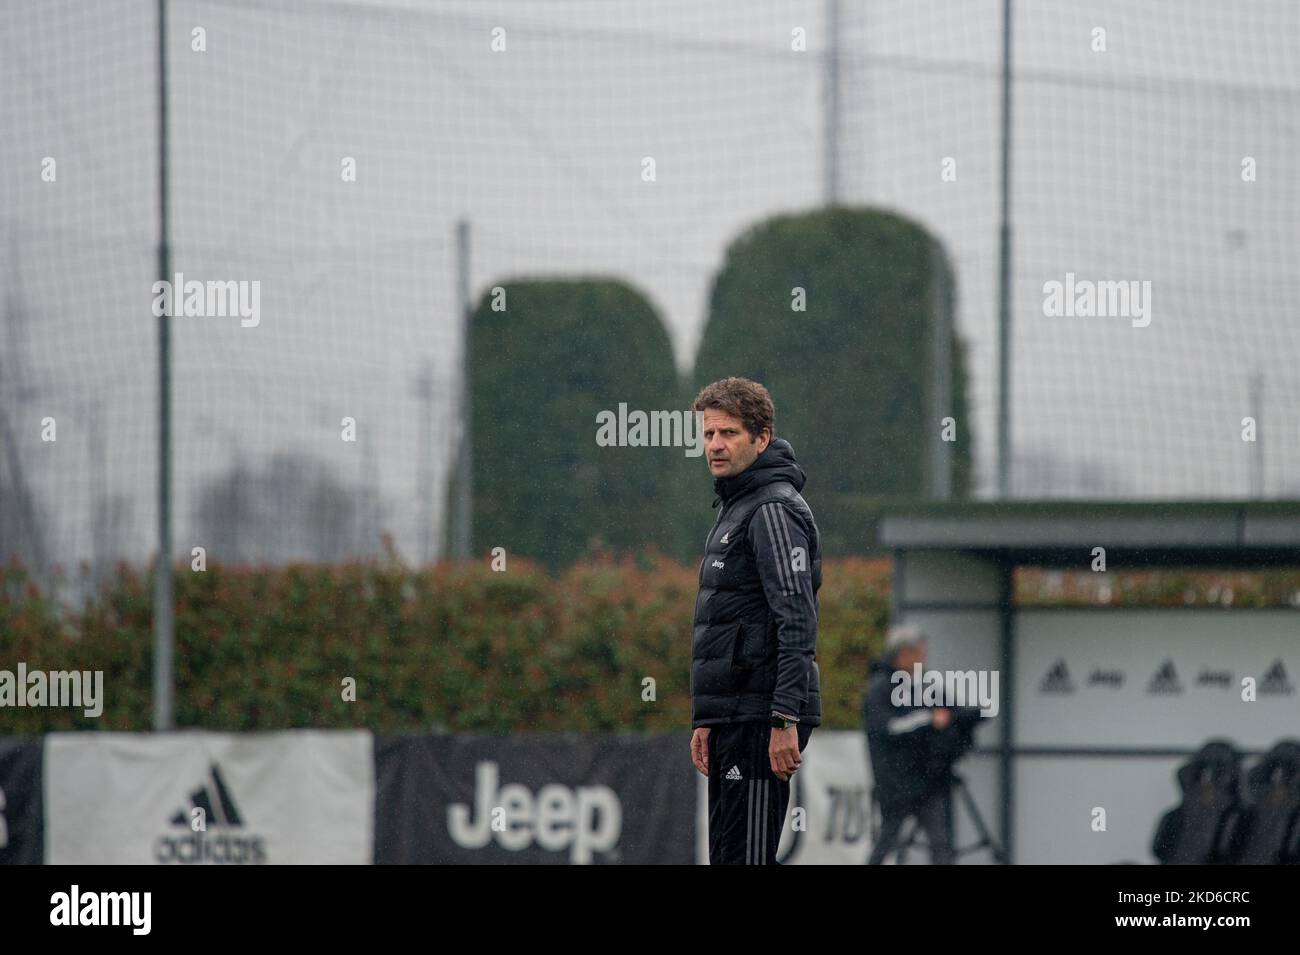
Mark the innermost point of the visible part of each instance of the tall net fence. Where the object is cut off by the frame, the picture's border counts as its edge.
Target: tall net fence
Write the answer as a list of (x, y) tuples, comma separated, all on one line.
[(322, 153)]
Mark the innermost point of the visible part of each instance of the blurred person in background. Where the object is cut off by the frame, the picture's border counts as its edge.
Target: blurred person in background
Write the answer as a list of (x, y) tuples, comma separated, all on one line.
[(907, 746)]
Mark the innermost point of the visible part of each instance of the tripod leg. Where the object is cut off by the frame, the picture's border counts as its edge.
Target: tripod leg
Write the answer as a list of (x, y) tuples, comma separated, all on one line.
[(986, 837)]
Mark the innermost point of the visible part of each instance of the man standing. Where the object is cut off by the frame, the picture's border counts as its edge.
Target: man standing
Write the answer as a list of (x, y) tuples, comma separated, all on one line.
[(906, 744), (755, 689)]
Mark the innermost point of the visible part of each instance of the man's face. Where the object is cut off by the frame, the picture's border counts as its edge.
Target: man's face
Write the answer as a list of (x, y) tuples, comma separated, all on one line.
[(907, 657), (727, 445)]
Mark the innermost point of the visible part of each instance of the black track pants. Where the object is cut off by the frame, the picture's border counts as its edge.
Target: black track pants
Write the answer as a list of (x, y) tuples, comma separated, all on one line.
[(747, 802)]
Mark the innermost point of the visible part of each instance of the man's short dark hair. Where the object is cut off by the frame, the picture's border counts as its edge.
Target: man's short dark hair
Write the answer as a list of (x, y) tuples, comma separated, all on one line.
[(741, 398)]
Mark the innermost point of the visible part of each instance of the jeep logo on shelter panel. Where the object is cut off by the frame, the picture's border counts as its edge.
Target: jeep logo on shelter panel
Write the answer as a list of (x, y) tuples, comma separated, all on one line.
[(584, 820)]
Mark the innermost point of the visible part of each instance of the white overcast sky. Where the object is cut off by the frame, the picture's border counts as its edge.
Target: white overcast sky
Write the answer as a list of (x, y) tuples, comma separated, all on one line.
[(1126, 165)]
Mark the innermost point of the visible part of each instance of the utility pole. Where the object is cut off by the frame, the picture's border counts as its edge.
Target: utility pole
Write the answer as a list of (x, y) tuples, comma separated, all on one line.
[(1004, 270), (831, 116), (464, 497), (164, 617)]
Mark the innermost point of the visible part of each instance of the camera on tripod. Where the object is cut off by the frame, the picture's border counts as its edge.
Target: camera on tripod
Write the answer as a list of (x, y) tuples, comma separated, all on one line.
[(951, 744), (955, 740)]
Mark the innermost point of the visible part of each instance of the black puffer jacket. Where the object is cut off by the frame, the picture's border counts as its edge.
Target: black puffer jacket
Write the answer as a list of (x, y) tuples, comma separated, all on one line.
[(755, 634)]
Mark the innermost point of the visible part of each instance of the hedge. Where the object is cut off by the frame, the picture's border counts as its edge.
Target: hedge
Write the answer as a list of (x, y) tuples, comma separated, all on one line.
[(463, 647), (450, 647), (850, 375), (559, 354)]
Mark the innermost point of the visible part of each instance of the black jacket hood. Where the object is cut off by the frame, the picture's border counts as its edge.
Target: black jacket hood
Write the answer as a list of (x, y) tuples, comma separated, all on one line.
[(776, 463)]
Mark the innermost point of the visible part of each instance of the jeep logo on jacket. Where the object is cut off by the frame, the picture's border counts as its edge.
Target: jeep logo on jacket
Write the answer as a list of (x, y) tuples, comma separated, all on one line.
[(755, 635)]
